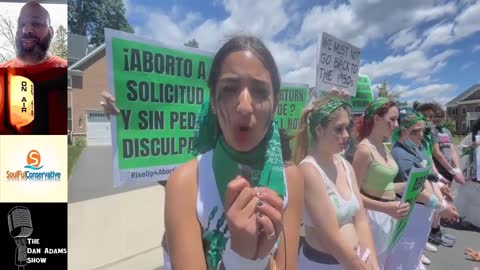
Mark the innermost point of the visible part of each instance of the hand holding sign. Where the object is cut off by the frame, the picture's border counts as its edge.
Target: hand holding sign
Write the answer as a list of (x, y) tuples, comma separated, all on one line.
[(108, 105), (397, 210)]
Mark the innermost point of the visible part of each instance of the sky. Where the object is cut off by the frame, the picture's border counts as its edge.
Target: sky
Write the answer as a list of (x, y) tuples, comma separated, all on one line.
[(427, 49), (9, 10)]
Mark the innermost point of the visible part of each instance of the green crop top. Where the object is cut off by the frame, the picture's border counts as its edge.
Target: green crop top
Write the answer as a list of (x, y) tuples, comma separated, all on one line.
[(379, 177)]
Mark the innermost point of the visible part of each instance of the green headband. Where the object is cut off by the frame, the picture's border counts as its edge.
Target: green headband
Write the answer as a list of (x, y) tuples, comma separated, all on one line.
[(321, 115), (374, 106), (406, 113)]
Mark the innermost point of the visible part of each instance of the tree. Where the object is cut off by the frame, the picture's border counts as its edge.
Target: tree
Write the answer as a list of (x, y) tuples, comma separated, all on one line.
[(384, 90), (192, 43), (59, 43), (7, 32), (450, 125), (90, 18)]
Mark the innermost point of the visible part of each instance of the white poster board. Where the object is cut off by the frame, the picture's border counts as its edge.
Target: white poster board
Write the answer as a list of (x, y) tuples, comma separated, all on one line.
[(337, 65)]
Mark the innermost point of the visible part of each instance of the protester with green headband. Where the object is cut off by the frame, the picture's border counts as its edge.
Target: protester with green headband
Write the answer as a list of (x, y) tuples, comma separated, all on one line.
[(337, 234), (238, 204), (409, 152), (376, 169)]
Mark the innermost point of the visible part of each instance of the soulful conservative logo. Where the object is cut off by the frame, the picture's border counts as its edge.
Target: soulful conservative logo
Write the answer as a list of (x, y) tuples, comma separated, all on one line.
[(33, 160), (33, 170)]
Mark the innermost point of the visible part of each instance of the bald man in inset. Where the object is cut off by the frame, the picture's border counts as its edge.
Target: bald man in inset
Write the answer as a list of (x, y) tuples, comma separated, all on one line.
[(33, 37), (48, 73)]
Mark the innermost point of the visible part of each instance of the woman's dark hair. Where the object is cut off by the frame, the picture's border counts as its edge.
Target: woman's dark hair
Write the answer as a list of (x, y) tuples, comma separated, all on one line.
[(424, 107), (245, 43), (364, 127)]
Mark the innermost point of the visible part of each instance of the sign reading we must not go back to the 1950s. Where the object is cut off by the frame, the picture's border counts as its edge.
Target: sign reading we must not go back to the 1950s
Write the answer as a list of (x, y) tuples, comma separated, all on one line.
[(337, 64)]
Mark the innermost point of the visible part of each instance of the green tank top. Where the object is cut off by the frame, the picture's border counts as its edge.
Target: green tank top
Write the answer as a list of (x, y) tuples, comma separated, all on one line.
[(379, 177)]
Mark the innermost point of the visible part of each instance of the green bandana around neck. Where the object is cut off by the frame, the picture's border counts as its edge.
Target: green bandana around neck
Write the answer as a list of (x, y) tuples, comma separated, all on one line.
[(265, 162), (265, 159), (374, 106)]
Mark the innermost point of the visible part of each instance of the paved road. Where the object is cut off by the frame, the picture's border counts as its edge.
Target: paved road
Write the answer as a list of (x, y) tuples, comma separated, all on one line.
[(112, 228), (92, 179), (92, 176), (453, 258)]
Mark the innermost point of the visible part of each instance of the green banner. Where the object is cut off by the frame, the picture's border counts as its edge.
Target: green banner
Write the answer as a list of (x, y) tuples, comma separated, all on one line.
[(293, 99), (416, 180), (364, 95), (158, 89)]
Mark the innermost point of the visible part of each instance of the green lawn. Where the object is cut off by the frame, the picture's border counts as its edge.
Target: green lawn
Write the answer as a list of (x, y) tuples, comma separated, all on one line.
[(457, 139), (74, 152)]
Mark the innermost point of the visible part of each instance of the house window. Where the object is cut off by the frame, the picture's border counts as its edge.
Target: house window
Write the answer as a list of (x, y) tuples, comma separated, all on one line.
[(464, 110), (453, 111), (477, 108), (464, 126)]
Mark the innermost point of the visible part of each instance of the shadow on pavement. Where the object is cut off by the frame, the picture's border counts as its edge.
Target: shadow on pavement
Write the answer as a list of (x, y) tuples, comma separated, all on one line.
[(92, 176), (461, 227)]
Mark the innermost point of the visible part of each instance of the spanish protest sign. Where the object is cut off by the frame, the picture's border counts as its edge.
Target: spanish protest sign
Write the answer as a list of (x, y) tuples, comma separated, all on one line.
[(293, 99), (363, 96), (337, 64), (416, 180), (158, 90)]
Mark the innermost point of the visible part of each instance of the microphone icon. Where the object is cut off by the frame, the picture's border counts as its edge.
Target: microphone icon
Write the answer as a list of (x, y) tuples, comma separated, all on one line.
[(20, 226)]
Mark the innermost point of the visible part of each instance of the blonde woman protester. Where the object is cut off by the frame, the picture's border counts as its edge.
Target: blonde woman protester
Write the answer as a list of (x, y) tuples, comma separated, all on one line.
[(376, 170), (410, 152), (237, 205), (337, 234)]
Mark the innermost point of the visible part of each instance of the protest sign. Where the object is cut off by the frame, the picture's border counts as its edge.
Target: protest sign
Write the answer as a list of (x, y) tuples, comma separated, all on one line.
[(158, 89), (416, 180), (293, 99), (363, 96), (337, 64)]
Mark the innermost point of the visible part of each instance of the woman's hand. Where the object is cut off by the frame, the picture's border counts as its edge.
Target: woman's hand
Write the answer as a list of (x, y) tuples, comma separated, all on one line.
[(475, 144), (447, 192), (240, 207), (269, 219), (109, 104), (397, 209), (339, 93), (450, 213)]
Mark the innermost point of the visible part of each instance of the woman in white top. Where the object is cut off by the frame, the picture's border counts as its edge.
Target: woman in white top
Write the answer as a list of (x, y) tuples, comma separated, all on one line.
[(237, 205), (337, 234)]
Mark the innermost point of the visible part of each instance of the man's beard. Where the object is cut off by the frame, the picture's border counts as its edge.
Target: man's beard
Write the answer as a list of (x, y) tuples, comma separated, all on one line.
[(36, 54)]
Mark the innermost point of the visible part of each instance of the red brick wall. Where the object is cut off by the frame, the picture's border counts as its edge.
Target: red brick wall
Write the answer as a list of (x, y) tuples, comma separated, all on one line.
[(89, 96)]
